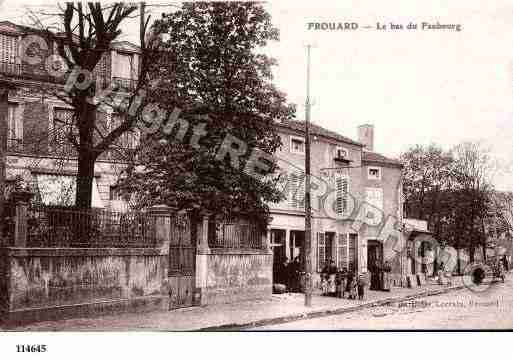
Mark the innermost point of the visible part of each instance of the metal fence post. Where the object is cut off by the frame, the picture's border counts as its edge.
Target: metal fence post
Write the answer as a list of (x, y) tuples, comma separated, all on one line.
[(202, 257), (202, 245), (20, 224)]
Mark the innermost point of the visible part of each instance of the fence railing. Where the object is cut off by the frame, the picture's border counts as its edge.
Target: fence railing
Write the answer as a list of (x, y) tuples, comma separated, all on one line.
[(36, 226), (8, 219), (59, 227), (235, 234), (125, 83), (25, 71)]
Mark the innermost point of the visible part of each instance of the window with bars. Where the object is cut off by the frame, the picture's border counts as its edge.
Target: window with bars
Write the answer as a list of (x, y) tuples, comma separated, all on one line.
[(342, 190)]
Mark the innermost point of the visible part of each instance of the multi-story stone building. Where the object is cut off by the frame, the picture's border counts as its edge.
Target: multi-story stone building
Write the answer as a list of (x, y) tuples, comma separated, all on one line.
[(37, 149), (357, 193)]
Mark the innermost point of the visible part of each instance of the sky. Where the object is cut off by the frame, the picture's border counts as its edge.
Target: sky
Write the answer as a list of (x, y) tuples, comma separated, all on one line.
[(415, 86)]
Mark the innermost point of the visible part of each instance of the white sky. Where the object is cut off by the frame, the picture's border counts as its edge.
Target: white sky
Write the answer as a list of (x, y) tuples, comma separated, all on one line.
[(415, 86)]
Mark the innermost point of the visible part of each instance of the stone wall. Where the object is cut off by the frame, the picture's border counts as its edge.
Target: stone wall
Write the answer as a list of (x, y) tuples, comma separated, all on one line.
[(236, 275), (46, 283)]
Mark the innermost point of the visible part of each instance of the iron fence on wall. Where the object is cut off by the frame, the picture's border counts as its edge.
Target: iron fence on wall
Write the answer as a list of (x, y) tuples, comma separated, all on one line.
[(8, 221), (238, 234), (65, 227)]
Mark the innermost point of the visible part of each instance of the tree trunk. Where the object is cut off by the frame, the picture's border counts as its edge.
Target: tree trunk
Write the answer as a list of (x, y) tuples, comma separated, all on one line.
[(85, 175), (86, 157), (458, 260), (472, 251)]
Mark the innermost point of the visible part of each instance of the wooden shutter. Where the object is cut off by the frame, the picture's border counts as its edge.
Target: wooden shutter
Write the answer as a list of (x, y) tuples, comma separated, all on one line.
[(321, 251), (297, 190), (341, 186), (293, 182), (8, 48), (352, 248), (342, 250)]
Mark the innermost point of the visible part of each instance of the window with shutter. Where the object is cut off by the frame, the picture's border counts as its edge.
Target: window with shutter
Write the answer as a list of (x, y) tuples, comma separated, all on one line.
[(321, 251), (341, 187)]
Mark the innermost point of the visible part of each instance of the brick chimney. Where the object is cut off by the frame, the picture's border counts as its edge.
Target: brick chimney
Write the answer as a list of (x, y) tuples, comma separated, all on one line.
[(366, 136)]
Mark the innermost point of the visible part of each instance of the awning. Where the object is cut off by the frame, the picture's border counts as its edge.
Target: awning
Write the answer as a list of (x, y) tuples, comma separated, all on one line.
[(59, 190)]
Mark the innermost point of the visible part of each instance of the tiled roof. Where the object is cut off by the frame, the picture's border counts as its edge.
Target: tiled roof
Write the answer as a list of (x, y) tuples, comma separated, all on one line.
[(376, 157), (299, 126)]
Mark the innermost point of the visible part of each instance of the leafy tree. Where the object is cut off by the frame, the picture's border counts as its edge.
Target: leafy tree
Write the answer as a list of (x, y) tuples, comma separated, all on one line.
[(213, 73), (427, 185)]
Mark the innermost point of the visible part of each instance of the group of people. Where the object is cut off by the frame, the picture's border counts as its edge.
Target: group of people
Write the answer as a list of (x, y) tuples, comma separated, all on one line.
[(335, 282), (381, 278), (289, 274)]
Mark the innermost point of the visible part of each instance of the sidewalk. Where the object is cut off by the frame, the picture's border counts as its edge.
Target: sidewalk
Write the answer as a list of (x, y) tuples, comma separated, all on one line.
[(279, 308)]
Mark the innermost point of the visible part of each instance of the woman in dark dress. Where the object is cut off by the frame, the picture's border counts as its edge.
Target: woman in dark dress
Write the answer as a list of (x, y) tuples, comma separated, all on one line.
[(386, 276), (295, 274), (351, 285)]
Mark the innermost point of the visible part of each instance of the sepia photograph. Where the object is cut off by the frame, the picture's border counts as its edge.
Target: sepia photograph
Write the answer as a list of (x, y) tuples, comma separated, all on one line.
[(257, 167)]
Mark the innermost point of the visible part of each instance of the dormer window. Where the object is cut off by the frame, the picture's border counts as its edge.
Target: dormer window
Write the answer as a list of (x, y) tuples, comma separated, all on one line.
[(297, 145), (374, 173)]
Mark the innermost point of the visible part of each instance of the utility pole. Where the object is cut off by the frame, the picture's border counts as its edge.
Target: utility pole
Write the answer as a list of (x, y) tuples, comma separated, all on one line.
[(307, 243)]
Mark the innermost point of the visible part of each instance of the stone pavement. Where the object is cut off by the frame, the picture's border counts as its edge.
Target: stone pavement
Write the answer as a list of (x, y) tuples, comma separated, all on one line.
[(279, 308)]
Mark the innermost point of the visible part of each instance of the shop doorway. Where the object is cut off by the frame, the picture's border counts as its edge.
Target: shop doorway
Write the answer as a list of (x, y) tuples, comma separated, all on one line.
[(374, 262), (279, 254)]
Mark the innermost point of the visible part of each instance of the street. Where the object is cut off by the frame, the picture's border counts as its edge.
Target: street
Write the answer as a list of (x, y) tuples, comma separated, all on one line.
[(462, 309)]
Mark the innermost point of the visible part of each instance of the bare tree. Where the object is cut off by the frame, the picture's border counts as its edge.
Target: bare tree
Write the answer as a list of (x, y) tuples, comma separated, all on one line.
[(473, 169), (88, 32)]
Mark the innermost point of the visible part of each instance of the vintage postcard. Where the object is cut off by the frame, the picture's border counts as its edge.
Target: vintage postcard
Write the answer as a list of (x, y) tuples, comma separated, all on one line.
[(255, 166)]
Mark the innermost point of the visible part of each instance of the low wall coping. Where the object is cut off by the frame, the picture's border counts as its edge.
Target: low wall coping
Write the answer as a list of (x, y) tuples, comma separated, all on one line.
[(78, 252), (228, 251)]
